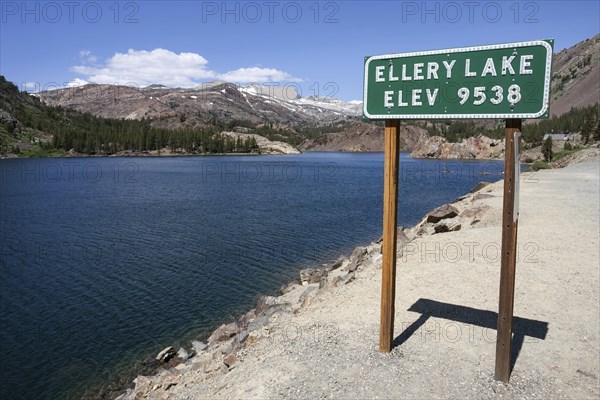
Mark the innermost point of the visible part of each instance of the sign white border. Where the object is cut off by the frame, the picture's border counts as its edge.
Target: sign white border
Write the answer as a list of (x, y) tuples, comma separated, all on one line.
[(547, 79)]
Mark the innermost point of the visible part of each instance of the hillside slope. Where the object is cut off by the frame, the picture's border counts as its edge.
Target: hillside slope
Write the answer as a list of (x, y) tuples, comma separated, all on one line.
[(361, 136), (202, 106), (23, 118), (576, 76)]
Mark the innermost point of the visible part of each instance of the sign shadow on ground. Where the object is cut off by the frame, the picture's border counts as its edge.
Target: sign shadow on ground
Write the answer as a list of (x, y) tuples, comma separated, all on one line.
[(472, 316)]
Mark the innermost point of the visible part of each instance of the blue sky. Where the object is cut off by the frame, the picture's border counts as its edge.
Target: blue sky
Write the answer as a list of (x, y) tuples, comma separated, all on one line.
[(318, 46)]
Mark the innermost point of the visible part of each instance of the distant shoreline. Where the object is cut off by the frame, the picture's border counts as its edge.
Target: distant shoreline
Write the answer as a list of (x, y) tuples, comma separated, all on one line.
[(81, 155), (145, 154)]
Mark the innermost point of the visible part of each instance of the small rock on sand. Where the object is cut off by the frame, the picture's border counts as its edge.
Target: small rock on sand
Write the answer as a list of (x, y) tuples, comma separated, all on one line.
[(443, 212)]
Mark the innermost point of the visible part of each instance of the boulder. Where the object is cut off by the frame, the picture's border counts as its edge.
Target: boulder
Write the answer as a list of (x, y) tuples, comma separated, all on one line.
[(246, 318), (442, 212), (264, 304), (183, 354), (425, 229), (357, 257), (359, 252), (7, 118), (198, 346), (312, 275), (338, 263), (166, 354), (401, 236), (401, 239), (142, 384), (448, 225), (242, 336), (223, 332), (353, 265), (349, 278), (229, 347)]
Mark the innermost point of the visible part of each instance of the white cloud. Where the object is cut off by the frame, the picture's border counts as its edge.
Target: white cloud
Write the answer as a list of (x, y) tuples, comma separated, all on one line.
[(144, 68), (87, 57), (355, 102), (77, 82), (161, 66), (257, 75)]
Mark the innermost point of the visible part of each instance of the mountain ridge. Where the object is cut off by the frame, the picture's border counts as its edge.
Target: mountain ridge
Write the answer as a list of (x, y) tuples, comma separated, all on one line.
[(201, 106), (278, 113)]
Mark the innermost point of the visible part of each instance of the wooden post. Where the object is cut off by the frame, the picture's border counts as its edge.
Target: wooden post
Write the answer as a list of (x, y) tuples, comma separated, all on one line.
[(509, 253), (390, 207)]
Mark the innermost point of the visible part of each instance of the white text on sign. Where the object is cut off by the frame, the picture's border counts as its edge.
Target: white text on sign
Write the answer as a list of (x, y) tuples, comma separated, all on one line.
[(506, 66)]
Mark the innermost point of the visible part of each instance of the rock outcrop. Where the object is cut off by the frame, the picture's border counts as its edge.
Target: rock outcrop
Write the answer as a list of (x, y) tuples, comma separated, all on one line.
[(166, 354), (225, 331), (440, 213), (265, 145), (481, 147), (312, 275), (362, 136)]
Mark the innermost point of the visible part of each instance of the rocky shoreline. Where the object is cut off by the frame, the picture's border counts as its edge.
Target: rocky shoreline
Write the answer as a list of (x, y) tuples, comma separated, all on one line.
[(133, 153), (225, 347), (480, 148)]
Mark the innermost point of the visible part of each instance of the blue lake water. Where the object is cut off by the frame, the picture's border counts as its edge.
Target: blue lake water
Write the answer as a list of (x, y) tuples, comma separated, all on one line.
[(104, 261)]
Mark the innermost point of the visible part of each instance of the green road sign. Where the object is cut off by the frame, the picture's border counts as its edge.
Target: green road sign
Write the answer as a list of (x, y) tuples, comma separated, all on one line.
[(509, 80)]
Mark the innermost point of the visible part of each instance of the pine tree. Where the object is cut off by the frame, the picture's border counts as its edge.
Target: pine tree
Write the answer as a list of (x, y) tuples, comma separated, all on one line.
[(587, 129), (547, 149)]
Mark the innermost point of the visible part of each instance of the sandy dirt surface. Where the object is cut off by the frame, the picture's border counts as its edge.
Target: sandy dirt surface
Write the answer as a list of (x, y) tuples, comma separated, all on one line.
[(324, 344)]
